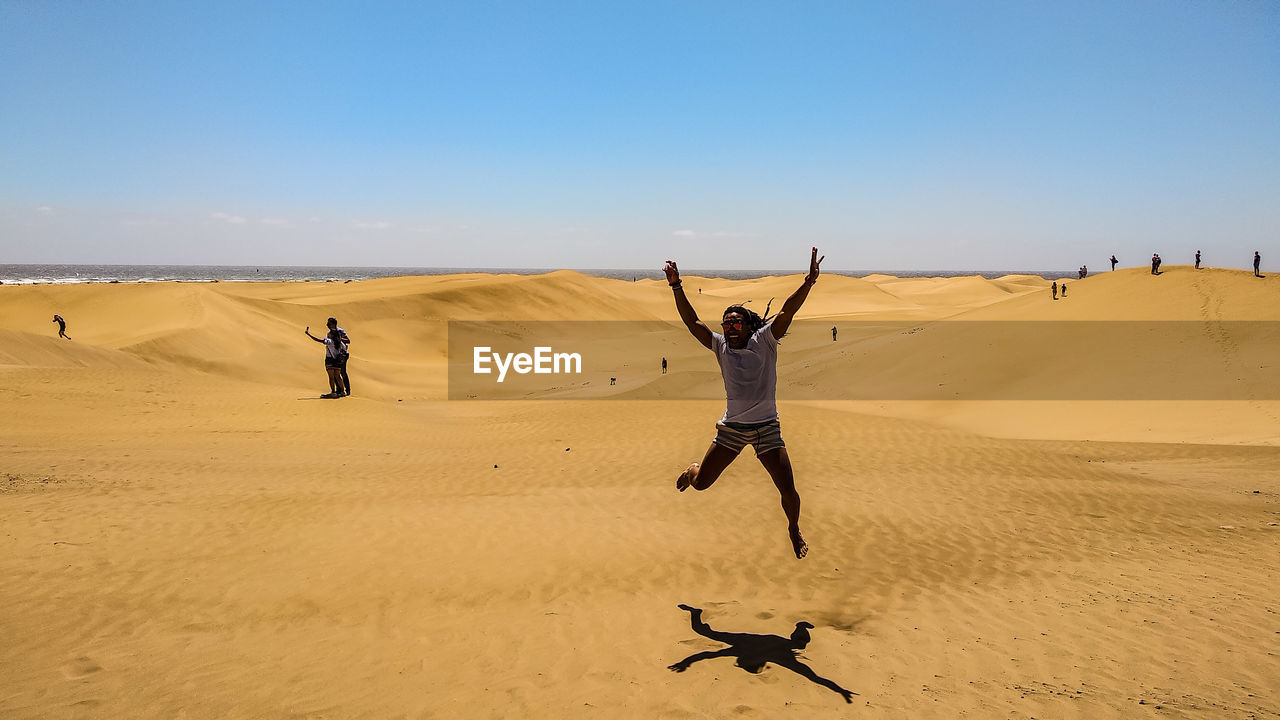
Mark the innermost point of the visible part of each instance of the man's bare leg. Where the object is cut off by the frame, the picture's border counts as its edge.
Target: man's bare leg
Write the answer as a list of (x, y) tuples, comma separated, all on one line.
[(778, 463), (701, 475)]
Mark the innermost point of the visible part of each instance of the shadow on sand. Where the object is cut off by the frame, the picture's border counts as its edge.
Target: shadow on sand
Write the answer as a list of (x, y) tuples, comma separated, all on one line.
[(755, 651)]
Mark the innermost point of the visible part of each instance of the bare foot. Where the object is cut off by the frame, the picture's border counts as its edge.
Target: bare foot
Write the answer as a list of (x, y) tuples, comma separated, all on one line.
[(686, 477), (798, 544)]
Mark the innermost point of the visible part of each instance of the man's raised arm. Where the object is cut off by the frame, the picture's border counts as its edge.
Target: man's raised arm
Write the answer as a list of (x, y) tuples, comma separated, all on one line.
[(792, 306), (687, 313)]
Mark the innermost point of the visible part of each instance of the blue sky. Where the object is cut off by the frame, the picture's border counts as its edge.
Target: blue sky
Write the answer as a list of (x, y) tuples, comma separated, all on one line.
[(931, 135)]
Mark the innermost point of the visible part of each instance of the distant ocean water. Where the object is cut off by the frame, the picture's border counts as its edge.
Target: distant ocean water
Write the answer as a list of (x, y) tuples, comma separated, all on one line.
[(63, 274)]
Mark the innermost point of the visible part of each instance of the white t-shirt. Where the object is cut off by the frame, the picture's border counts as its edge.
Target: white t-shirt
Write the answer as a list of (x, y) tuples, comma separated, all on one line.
[(333, 349), (750, 377)]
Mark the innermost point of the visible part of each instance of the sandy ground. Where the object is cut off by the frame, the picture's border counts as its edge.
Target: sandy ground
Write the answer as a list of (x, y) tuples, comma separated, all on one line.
[(188, 531)]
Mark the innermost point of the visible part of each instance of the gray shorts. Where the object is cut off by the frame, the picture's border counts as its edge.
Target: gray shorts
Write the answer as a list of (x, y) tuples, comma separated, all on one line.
[(764, 437)]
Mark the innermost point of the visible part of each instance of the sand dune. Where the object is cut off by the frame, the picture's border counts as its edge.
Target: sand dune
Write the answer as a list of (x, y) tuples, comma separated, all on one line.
[(190, 532)]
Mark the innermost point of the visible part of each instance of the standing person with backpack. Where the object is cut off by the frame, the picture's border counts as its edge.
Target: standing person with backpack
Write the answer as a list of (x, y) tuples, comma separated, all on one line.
[(332, 324), (334, 349)]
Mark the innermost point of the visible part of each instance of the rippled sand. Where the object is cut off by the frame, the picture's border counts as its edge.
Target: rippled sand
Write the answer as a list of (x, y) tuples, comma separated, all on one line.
[(188, 531)]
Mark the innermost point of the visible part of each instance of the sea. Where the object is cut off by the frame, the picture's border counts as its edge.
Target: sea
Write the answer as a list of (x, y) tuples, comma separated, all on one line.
[(64, 274)]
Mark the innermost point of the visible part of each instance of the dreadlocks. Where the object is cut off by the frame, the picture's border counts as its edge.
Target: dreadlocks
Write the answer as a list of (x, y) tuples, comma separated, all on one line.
[(751, 322)]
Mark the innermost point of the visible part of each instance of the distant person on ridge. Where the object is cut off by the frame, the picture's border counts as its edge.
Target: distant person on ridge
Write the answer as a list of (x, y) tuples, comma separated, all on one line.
[(748, 356), (1113, 263), (1197, 259), (62, 327), (1257, 262)]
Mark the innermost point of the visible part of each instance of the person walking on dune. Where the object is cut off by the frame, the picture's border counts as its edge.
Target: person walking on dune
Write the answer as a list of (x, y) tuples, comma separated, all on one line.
[(748, 356), (1257, 262), (1113, 263), (1197, 259), (62, 327), (1054, 289)]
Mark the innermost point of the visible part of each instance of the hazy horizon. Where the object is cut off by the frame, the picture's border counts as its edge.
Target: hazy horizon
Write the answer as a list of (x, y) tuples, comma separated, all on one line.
[(37, 273)]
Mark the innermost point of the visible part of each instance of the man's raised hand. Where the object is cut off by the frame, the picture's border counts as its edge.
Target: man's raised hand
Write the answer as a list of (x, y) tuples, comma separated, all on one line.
[(673, 273), (814, 262)]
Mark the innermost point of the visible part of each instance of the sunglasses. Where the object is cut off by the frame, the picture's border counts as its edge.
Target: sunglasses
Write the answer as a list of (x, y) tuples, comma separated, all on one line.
[(735, 324)]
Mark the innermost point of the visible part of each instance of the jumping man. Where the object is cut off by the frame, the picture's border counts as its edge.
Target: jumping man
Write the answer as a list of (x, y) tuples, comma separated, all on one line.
[(748, 357)]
